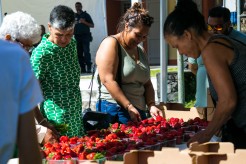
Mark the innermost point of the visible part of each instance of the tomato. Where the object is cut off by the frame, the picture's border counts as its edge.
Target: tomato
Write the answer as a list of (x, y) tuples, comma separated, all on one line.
[(158, 118), (82, 156), (73, 140), (57, 156), (115, 126), (64, 139), (78, 149), (91, 156)]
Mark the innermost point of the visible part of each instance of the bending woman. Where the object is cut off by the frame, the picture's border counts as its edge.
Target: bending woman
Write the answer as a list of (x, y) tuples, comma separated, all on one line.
[(126, 97)]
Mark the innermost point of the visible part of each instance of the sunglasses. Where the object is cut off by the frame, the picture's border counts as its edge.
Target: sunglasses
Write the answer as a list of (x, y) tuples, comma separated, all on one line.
[(218, 27)]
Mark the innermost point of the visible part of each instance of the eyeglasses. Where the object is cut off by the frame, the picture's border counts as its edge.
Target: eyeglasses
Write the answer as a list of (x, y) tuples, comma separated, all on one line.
[(28, 48), (218, 27)]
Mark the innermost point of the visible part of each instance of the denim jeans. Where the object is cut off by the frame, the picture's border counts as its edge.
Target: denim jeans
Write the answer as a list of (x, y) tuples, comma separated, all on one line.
[(118, 113)]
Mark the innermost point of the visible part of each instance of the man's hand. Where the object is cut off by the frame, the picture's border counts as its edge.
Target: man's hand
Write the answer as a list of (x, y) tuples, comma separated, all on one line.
[(82, 20)]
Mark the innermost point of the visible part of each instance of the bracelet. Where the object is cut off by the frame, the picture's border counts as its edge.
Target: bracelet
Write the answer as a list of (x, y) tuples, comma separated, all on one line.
[(128, 106), (44, 119)]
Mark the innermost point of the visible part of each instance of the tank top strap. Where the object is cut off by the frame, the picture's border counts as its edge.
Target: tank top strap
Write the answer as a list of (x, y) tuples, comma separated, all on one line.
[(213, 40)]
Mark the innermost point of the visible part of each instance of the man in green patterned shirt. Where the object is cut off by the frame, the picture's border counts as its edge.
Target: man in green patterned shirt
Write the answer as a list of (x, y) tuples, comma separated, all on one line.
[(56, 65)]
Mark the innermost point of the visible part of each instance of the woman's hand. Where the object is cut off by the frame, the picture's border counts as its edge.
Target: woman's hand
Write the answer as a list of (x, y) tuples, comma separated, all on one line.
[(154, 111), (134, 114), (50, 137), (200, 137), (51, 127)]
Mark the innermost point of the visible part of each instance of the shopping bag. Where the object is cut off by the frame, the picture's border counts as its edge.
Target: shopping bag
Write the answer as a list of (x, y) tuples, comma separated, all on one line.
[(94, 120)]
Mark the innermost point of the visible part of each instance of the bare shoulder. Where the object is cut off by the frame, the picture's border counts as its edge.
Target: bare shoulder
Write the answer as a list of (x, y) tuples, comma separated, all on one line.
[(108, 43), (218, 50), (107, 51)]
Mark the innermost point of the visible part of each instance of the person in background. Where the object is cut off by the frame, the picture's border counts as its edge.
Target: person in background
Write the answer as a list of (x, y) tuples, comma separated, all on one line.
[(20, 94), (225, 62), (43, 31), (55, 64), (22, 28), (83, 37), (197, 68), (126, 97), (218, 23)]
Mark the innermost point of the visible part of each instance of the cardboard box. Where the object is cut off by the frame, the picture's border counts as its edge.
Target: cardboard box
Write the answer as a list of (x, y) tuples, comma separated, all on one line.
[(217, 153), (227, 158), (210, 103), (207, 153), (114, 162), (178, 110), (212, 147), (166, 156)]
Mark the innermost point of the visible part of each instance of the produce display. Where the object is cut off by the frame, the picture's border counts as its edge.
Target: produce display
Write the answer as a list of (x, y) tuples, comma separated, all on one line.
[(112, 143)]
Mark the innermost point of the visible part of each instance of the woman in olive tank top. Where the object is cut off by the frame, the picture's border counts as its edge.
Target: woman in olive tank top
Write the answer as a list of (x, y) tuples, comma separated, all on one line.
[(125, 88)]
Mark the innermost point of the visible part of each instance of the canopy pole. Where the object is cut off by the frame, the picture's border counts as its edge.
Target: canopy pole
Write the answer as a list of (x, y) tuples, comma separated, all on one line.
[(238, 15), (1, 12), (163, 53), (181, 92)]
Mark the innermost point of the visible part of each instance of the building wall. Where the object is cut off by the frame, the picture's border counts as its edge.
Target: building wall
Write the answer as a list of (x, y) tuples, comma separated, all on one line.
[(113, 15), (40, 10), (115, 9), (105, 21), (172, 52)]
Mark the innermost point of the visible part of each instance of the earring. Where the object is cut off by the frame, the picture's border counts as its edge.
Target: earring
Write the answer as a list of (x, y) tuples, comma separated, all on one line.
[(7, 37)]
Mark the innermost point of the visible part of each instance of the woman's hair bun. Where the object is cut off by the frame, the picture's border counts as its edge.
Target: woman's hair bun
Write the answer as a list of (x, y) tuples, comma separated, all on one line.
[(137, 6), (186, 5)]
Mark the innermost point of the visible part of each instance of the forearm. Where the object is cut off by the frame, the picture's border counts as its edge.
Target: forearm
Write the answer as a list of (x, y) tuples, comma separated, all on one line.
[(89, 24), (41, 131), (149, 94), (27, 140), (117, 93), (38, 115), (221, 115)]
